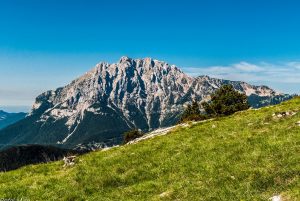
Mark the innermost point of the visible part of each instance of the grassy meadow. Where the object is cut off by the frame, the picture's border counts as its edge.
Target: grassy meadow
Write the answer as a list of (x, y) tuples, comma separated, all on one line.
[(251, 155)]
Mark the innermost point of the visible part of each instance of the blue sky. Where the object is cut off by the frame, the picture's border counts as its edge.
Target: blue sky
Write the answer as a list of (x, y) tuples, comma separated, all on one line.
[(46, 44)]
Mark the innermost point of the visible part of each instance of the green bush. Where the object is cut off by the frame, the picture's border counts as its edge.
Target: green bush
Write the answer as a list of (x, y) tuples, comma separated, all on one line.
[(192, 113), (131, 135), (226, 101)]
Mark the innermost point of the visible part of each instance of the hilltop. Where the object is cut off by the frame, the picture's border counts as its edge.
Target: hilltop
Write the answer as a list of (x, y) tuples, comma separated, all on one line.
[(251, 155)]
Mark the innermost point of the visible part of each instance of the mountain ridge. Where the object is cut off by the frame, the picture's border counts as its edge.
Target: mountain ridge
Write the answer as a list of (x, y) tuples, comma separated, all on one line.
[(133, 93), (7, 118)]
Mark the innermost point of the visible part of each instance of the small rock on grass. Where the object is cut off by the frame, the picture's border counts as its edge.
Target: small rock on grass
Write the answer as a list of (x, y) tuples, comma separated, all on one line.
[(276, 198), (69, 161)]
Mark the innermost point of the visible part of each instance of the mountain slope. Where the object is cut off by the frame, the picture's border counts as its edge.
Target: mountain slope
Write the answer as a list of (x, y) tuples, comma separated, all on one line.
[(113, 98), (10, 118), (251, 155)]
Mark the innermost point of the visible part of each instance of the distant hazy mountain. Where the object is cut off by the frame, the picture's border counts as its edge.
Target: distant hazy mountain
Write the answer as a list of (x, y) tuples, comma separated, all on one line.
[(10, 118), (113, 98)]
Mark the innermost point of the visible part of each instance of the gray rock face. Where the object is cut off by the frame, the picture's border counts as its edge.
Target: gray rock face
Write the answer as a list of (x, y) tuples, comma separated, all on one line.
[(133, 93)]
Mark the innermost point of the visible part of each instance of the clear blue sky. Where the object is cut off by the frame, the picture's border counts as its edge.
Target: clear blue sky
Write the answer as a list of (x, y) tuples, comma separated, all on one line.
[(45, 44)]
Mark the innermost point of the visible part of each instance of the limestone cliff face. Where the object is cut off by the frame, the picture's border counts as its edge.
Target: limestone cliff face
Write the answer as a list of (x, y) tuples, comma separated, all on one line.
[(133, 93)]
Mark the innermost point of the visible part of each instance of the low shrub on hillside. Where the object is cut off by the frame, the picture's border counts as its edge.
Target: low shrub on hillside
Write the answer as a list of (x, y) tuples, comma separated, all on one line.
[(192, 113), (131, 135)]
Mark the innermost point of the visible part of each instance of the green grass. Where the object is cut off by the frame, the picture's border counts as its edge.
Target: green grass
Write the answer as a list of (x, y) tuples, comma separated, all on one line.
[(247, 156)]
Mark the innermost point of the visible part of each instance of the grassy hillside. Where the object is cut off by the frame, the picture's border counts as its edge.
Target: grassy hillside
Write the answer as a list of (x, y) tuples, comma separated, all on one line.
[(248, 156)]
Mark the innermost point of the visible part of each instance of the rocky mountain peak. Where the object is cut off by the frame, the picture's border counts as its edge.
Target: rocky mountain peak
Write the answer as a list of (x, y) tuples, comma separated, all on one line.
[(125, 59), (132, 93)]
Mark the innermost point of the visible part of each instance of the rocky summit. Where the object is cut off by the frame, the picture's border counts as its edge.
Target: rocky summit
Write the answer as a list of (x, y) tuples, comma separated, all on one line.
[(110, 99)]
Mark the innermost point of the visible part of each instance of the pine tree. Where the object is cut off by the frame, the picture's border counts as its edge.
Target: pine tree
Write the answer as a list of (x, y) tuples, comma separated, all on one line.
[(226, 101), (131, 135), (192, 113)]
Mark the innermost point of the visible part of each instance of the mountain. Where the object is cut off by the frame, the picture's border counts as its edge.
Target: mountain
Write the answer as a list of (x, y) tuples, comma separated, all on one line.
[(10, 118), (251, 155), (112, 98)]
